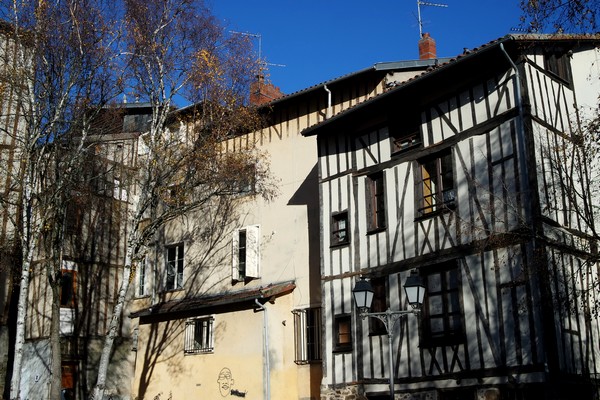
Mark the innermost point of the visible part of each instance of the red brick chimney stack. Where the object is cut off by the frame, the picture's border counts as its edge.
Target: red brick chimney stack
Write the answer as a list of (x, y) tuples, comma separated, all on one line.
[(427, 49), (262, 92)]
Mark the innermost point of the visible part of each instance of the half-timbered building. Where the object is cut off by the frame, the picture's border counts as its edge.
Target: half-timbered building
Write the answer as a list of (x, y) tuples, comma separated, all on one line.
[(474, 174)]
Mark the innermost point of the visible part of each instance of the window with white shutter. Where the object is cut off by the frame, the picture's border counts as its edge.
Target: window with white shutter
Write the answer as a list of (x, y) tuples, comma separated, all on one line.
[(246, 254)]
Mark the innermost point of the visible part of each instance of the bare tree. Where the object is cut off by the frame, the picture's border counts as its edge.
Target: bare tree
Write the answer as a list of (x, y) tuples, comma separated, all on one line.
[(575, 16), (177, 49), (61, 74)]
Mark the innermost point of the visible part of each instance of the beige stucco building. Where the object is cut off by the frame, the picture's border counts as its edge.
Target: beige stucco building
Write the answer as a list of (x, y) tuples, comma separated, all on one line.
[(239, 315)]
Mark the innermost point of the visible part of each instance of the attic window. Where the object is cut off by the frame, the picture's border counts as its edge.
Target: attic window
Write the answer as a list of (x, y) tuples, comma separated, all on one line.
[(405, 132), (557, 63)]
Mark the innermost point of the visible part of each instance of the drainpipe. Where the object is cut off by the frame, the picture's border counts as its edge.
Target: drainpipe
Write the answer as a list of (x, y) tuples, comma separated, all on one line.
[(521, 136), (328, 114), (266, 366)]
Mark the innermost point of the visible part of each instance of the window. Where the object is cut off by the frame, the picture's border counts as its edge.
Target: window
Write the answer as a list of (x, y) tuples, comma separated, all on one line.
[(375, 202), (174, 267), (557, 63), (68, 287), (343, 333), (199, 336), (247, 180), (68, 298), (307, 335), (379, 304), (246, 254), (339, 229), (436, 184), (443, 316), (405, 132), (119, 190), (142, 278)]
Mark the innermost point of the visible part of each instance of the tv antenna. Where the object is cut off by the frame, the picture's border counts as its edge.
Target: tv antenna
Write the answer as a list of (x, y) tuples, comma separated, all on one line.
[(428, 4), (262, 63)]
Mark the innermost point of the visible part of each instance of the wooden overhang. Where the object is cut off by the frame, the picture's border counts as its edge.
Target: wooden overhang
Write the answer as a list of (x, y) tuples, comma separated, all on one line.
[(213, 304)]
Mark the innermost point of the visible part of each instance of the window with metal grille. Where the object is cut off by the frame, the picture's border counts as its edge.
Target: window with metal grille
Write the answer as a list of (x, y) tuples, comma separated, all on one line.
[(199, 336), (307, 335)]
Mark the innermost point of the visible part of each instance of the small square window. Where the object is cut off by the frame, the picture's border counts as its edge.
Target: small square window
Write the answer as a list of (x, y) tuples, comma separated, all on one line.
[(405, 132), (339, 229), (199, 336), (343, 333)]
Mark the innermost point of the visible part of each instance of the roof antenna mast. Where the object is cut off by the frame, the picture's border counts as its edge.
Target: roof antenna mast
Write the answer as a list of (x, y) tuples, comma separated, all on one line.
[(425, 3), (262, 63)]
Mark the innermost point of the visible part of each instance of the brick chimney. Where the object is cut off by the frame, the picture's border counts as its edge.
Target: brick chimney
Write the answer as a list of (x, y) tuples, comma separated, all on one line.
[(262, 92), (427, 47)]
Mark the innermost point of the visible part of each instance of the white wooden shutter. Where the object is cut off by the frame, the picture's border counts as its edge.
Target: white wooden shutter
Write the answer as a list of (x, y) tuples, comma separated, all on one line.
[(253, 251), (235, 269)]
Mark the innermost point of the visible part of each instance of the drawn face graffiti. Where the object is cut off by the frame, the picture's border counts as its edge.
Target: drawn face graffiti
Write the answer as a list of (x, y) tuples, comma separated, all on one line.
[(225, 382)]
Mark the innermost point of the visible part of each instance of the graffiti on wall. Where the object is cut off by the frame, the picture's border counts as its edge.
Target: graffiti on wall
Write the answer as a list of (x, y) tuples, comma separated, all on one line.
[(226, 382)]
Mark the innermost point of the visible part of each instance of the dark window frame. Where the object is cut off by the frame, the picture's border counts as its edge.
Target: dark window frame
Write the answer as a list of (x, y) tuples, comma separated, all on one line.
[(557, 63), (443, 318), (436, 184), (68, 288), (405, 132), (342, 328), (241, 253), (340, 236), (375, 201), (379, 304)]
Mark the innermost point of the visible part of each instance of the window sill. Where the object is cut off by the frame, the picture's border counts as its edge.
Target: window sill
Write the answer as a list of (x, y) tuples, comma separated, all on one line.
[(342, 350), (173, 290), (432, 214), (376, 230), (333, 246)]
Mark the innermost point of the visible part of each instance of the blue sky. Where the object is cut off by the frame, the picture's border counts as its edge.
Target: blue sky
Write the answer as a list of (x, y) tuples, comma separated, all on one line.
[(318, 40)]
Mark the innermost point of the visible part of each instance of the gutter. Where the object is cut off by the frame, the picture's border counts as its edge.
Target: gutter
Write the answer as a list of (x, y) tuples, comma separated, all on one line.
[(329, 111), (266, 366), (524, 173)]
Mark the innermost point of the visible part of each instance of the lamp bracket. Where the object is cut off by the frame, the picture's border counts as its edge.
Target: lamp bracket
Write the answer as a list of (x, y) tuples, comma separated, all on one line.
[(389, 317)]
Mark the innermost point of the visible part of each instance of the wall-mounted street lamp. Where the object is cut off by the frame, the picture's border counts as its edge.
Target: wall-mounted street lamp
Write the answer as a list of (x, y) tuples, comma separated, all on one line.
[(363, 296)]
